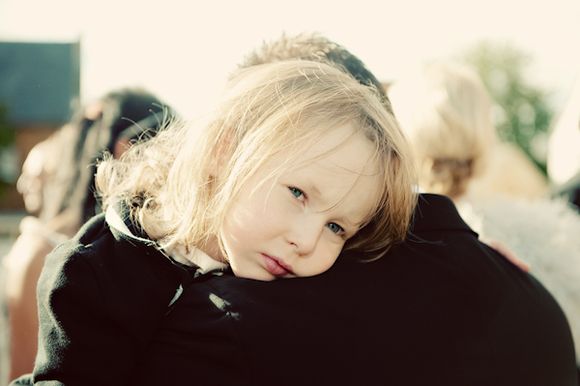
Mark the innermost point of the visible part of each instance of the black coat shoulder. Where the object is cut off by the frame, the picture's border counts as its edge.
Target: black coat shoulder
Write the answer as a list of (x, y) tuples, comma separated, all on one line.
[(101, 296)]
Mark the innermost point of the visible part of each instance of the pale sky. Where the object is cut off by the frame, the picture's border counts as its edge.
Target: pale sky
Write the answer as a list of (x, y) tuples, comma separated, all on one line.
[(182, 50)]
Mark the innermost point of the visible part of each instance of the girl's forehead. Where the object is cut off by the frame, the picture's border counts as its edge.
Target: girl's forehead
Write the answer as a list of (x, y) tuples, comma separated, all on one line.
[(337, 160), (345, 138)]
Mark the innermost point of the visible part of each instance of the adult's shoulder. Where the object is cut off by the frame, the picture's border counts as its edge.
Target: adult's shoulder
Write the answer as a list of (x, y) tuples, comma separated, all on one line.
[(446, 302)]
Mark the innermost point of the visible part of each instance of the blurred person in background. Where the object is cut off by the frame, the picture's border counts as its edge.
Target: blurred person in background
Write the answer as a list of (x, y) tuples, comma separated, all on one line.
[(453, 113), (57, 185), (446, 113)]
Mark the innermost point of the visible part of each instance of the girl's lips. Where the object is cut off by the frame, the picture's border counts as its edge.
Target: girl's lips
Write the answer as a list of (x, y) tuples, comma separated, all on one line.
[(276, 267)]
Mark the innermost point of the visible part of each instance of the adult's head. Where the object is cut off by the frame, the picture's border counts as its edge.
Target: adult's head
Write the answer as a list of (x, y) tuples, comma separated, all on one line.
[(445, 112), (186, 186), (316, 48)]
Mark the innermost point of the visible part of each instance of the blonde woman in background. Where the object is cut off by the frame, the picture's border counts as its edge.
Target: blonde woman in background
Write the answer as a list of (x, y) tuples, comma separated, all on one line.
[(446, 113)]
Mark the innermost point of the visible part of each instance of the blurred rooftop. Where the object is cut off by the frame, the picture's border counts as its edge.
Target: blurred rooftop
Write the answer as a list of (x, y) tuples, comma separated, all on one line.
[(38, 81)]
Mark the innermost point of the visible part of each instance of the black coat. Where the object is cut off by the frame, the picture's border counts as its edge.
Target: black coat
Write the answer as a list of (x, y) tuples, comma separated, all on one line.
[(439, 309)]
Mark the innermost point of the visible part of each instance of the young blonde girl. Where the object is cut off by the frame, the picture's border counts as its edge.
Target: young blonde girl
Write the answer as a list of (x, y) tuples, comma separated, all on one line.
[(298, 162), (181, 184)]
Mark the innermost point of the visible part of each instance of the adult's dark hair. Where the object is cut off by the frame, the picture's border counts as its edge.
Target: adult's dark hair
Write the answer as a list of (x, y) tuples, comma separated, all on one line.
[(314, 47)]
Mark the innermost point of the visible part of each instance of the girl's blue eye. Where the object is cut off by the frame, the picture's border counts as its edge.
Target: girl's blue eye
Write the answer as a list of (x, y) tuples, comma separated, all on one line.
[(296, 192), (335, 228)]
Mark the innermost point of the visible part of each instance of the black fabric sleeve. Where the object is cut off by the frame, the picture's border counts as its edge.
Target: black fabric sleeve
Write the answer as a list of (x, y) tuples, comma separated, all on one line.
[(99, 304)]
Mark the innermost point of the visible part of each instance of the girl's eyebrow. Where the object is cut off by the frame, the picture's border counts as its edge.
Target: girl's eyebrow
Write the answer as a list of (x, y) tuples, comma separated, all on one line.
[(352, 224), (313, 191)]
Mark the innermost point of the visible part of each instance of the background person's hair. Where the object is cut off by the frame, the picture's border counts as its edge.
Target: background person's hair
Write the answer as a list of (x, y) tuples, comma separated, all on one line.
[(445, 112), (87, 140), (181, 183)]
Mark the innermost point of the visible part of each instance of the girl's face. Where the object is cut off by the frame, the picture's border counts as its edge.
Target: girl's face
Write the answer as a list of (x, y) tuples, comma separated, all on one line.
[(296, 224)]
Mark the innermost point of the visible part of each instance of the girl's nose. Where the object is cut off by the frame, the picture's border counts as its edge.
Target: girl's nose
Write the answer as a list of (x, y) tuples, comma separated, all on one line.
[(304, 235)]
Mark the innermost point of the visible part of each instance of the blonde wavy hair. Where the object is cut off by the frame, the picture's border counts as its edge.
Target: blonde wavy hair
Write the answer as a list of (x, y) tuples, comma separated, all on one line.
[(445, 111), (179, 185)]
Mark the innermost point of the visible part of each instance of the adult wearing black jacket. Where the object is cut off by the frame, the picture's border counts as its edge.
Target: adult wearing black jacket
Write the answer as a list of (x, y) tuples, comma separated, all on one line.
[(441, 308)]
